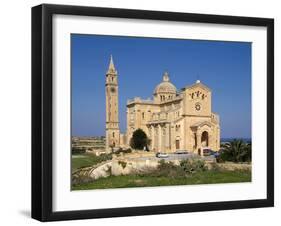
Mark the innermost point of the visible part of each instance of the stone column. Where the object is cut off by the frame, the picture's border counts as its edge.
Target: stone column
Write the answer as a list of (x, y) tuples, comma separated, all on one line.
[(152, 137), (156, 141), (198, 137), (163, 143), (172, 137), (167, 137), (159, 138), (194, 145)]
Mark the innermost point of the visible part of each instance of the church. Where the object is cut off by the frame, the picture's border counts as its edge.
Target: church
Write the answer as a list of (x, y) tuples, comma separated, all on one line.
[(173, 119)]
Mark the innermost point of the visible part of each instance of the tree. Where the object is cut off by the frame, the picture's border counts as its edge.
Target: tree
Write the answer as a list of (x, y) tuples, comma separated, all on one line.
[(139, 140), (236, 151)]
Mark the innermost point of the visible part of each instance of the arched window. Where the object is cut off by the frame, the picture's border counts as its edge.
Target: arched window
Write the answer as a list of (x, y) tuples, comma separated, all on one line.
[(143, 115), (113, 134)]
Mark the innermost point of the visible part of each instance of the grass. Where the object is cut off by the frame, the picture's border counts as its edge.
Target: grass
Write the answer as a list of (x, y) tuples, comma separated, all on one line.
[(87, 159), (204, 177)]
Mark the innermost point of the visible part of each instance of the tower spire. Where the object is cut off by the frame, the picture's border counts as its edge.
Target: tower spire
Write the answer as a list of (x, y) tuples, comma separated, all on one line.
[(111, 67), (112, 131)]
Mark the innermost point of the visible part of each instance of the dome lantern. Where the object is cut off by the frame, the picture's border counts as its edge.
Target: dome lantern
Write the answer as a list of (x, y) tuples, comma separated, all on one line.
[(166, 77), (165, 90)]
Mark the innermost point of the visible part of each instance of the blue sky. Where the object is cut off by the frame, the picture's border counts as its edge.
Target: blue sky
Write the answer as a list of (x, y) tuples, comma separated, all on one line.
[(225, 67)]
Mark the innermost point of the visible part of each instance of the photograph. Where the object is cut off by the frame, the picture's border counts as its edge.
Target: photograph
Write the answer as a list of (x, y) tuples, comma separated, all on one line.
[(149, 111), (145, 112)]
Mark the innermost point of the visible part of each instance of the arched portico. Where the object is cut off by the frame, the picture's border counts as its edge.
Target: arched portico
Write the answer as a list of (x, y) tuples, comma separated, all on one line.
[(202, 136)]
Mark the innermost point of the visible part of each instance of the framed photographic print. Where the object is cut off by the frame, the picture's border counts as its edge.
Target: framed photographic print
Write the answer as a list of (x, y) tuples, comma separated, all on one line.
[(145, 112)]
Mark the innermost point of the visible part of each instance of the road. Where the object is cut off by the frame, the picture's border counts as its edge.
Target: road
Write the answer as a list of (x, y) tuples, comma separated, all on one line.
[(172, 157)]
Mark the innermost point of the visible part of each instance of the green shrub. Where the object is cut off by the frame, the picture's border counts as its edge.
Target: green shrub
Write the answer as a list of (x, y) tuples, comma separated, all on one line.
[(214, 167), (165, 166), (185, 169), (192, 166), (78, 150), (103, 157), (168, 169), (221, 158)]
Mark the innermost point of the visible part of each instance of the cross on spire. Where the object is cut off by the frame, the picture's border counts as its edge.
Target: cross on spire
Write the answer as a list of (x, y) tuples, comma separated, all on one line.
[(111, 67)]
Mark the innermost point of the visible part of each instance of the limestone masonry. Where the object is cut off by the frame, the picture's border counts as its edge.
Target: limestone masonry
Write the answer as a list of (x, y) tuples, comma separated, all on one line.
[(173, 120)]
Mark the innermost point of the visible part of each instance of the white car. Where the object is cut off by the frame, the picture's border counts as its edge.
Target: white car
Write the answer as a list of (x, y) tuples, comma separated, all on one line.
[(162, 155)]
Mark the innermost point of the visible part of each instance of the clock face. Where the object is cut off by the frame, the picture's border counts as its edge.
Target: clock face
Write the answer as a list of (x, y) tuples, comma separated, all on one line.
[(112, 89), (197, 107)]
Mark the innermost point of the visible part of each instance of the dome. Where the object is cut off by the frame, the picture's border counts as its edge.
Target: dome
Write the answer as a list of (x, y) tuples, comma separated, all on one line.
[(165, 86)]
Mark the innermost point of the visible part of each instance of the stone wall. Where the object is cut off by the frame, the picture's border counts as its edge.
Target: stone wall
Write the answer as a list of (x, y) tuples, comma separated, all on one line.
[(124, 166), (234, 166)]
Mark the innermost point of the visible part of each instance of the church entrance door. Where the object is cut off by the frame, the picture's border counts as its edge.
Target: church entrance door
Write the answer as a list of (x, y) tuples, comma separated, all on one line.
[(177, 144)]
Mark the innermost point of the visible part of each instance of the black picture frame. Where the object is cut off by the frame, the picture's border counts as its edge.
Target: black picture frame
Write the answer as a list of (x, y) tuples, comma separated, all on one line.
[(42, 111)]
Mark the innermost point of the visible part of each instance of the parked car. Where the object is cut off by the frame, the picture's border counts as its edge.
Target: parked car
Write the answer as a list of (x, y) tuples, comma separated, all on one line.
[(181, 152), (161, 155), (214, 153), (207, 152)]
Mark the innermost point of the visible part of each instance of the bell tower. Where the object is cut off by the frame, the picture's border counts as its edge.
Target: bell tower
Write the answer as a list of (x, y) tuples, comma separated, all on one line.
[(112, 121)]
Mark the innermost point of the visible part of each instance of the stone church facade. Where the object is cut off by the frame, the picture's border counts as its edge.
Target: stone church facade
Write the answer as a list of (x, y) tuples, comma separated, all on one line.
[(173, 120)]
